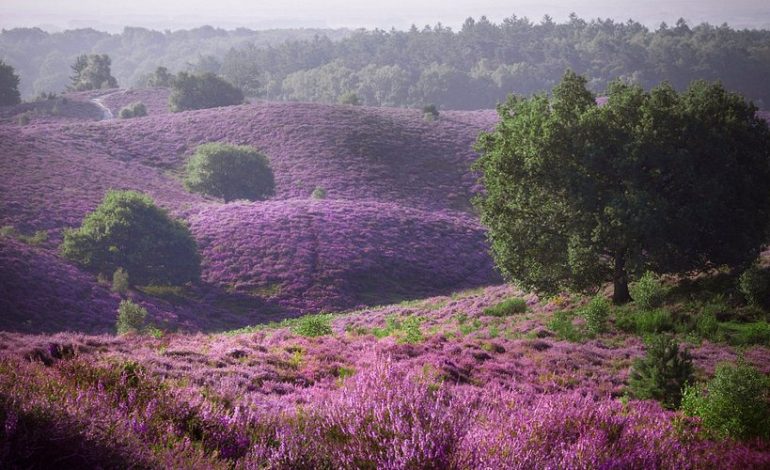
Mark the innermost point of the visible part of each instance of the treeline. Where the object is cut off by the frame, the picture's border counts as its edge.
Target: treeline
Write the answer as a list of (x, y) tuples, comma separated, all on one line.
[(42, 60), (474, 67), (477, 66)]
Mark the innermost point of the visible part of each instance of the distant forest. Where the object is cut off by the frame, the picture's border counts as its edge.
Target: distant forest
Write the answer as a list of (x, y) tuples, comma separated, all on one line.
[(475, 67)]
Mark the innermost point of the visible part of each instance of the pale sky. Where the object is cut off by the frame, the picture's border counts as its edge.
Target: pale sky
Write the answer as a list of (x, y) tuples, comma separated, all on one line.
[(263, 14)]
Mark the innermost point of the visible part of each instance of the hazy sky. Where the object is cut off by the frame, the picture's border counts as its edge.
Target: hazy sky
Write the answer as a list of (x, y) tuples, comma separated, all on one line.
[(261, 14)]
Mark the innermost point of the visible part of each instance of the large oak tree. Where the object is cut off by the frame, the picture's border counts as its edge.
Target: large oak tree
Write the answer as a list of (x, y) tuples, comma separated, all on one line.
[(578, 193)]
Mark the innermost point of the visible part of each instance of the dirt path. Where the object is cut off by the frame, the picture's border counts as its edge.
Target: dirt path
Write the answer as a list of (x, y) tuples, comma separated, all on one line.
[(99, 101)]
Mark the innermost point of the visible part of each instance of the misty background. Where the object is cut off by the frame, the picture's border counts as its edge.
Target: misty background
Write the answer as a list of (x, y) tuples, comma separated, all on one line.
[(56, 15)]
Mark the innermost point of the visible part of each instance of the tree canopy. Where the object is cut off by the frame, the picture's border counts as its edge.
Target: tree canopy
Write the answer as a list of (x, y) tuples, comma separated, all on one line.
[(189, 91), (127, 230), (230, 172), (9, 85), (92, 72), (579, 193)]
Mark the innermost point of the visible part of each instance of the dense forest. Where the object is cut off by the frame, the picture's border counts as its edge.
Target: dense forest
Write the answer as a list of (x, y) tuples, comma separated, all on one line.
[(474, 67)]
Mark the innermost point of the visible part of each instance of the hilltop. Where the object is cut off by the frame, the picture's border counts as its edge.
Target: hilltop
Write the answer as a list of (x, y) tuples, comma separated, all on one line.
[(396, 221)]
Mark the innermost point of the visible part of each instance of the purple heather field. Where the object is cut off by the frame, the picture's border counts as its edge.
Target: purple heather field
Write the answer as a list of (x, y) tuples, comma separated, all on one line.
[(403, 368)]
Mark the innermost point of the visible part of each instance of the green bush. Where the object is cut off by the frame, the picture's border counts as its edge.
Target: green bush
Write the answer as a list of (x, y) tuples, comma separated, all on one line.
[(189, 91), (647, 292), (653, 321), (133, 110), (733, 404), (752, 333), (313, 325), (120, 282), (564, 328), (318, 193), (430, 112), (128, 230), (507, 307), (596, 314), (625, 320), (131, 318), (754, 284), (230, 172), (707, 326), (662, 373), (350, 98)]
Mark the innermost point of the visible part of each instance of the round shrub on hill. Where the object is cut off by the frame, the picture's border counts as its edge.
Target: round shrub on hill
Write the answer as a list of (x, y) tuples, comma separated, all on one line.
[(230, 172), (189, 91), (129, 231)]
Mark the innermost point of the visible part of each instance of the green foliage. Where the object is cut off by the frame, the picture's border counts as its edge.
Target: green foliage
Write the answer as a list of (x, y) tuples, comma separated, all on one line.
[(160, 78), (131, 318), (662, 373), (754, 284), (230, 172), (735, 403), (120, 282), (406, 330), (707, 326), (576, 193), (318, 193), (190, 91), (648, 292), (507, 307), (643, 322), (128, 230), (92, 72), (133, 110), (312, 326), (350, 98), (430, 112), (9, 85), (562, 324), (745, 334), (37, 238), (654, 321), (596, 313)]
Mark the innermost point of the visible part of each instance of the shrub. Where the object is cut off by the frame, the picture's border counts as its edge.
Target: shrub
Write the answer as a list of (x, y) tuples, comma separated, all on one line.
[(596, 314), (733, 404), (190, 91), (647, 292), (752, 333), (430, 112), (754, 284), (707, 326), (318, 193), (24, 118), (37, 238), (662, 373), (351, 99), (407, 330), (133, 110), (653, 321), (313, 325), (131, 318), (128, 230), (230, 172), (507, 307), (120, 282), (562, 324)]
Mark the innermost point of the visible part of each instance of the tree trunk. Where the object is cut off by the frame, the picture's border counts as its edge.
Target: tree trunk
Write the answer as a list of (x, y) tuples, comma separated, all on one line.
[(620, 294)]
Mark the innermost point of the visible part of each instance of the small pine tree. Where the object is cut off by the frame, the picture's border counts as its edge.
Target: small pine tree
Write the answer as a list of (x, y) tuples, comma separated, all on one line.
[(662, 373), (131, 318), (9, 85)]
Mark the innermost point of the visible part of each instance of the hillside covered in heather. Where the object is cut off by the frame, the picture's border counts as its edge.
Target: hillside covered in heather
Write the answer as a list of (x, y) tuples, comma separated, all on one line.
[(395, 223)]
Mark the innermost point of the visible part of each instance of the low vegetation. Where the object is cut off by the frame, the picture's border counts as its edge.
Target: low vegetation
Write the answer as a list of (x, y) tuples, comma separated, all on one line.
[(129, 231), (230, 172), (191, 91)]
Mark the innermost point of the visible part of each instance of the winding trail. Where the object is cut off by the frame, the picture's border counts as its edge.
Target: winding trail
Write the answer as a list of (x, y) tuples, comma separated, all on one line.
[(99, 101)]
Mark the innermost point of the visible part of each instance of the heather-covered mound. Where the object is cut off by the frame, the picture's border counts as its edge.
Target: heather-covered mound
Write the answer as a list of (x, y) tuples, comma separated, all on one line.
[(431, 384), (393, 221), (311, 255)]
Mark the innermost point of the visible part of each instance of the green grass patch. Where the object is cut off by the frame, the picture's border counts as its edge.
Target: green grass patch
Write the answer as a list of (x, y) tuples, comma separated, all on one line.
[(507, 308)]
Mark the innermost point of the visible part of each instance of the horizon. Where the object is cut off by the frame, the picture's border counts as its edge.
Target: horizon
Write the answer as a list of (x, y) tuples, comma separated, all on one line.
[(52, 16)]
